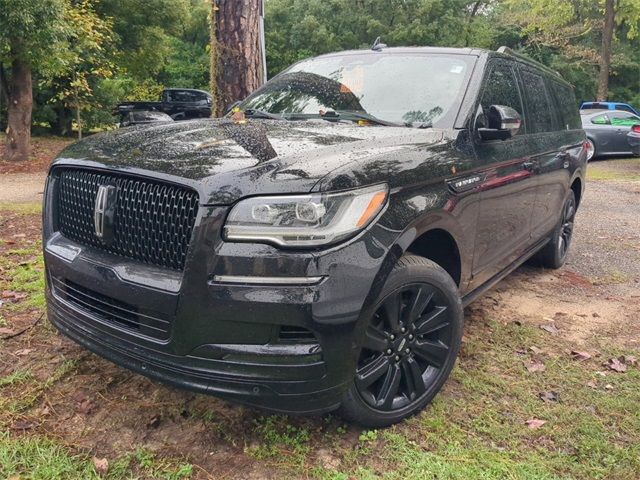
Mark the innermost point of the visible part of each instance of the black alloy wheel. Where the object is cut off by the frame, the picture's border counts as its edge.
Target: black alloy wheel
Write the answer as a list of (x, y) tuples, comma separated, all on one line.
[(554, 253), (566, 228), (406, 345), (409, 347)]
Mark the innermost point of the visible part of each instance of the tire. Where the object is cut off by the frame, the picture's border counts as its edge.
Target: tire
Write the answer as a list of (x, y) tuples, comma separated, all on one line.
[(554, 253), (591, 154), (410, 345)]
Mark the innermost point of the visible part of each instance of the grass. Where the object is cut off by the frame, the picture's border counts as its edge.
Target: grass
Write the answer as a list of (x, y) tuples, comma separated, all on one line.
[(23, 272), (40, 458), (21, 208), (477, 429), (617, 169)]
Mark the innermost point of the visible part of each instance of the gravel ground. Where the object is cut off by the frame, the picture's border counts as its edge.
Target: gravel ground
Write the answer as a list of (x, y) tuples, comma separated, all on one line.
[(21, 187), (607, 223)]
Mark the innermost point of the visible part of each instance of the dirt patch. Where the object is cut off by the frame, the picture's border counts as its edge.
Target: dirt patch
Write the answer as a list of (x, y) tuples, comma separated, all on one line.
[(43, 150), (21, 187)]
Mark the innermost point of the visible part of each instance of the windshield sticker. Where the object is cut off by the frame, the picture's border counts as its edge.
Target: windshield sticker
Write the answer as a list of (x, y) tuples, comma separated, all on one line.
[(353, 80)]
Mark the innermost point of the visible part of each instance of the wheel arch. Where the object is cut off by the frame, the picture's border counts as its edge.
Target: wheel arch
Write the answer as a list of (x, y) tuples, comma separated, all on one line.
[(577, 186), (440, 239)]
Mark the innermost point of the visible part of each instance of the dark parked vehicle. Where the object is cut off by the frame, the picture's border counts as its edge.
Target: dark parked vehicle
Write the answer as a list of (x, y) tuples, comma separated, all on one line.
[(143, 117), (179, 103), (318, 253), (607, 131), (633, 137)]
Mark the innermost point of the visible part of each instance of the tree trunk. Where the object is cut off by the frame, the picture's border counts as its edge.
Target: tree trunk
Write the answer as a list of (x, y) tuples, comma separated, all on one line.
[(62, 125), (240, 68), (78, 116), (19, 112), (605, 55), (214, 59)]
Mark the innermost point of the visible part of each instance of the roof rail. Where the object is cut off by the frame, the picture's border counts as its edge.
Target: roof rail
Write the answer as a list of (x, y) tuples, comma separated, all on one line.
[(512, 53)]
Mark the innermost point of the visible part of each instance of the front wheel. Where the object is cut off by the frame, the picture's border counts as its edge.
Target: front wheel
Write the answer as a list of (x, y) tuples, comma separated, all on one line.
[(410, 345)]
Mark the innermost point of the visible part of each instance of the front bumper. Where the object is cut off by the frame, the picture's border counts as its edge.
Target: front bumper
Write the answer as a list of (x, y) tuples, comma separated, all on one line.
[(283, 347)]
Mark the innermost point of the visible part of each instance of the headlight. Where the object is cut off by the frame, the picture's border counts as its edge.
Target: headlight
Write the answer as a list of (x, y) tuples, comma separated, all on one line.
[(310, 220)]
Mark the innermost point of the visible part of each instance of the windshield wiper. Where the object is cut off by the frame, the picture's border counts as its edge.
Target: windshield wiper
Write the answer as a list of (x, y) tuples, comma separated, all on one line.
[(352, 115), (252, 112)]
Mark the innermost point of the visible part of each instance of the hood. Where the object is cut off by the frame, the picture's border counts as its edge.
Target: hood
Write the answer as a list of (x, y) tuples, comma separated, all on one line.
[(225, 161)]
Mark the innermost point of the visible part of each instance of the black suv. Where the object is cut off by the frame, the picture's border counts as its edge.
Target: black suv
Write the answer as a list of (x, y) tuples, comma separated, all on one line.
[(178, 103), (315, 250)]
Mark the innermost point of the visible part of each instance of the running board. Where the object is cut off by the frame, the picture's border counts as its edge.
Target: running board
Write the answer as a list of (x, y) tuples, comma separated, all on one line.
[(474, 294)]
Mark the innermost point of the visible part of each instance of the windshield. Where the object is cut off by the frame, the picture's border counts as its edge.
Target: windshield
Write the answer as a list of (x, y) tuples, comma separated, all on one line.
[(407, 88), (147, 116)]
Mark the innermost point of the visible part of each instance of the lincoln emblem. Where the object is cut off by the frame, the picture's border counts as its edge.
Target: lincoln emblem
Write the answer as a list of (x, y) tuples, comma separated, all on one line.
[(104, 212)]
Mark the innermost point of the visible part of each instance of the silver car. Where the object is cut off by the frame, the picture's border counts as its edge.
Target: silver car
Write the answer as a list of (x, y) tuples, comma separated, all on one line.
[(607, 131)]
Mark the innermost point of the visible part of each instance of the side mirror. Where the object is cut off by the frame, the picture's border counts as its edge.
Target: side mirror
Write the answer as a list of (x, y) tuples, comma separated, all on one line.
[(502, 123)]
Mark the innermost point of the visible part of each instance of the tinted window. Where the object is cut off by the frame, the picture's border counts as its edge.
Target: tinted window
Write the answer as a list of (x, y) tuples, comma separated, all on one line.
[(600, 120), (501, 88), (402, 88), (623, 119), (622, 106), (185, 96), (539, 112), (565, 100)]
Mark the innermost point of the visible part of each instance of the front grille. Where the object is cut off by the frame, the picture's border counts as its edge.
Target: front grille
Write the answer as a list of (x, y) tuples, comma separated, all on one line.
[(111, 310), (153, 220)]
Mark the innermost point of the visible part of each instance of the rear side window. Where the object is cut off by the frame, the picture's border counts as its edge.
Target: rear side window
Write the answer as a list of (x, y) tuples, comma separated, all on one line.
[(623, 119), (622, 106), (501, 88), (601, 120), (565, 100), (539, 113)]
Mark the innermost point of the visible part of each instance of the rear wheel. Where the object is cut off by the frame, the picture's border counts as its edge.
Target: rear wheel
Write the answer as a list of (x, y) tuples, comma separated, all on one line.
[(410, 345), (554, 253), (591, 152)]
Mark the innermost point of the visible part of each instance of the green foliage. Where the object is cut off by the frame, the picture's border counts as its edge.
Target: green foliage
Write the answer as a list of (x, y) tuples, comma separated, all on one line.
[(296, 30), (31, 31), (94, 54)]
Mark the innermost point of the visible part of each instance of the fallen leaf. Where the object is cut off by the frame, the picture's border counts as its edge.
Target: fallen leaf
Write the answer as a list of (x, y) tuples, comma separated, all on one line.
[(86, 406), (534, 423), (578, 355), (608, 386), (23, 352), (548, 396), (154, 422), (533, 367), (592, 384), (101, 465), (11, 295), (616, 365), (552, 329), (536, 350), (22, 425)]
